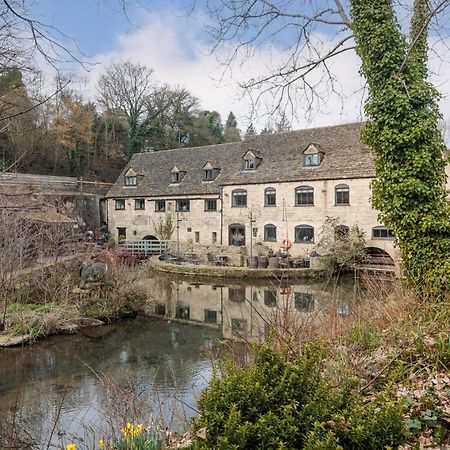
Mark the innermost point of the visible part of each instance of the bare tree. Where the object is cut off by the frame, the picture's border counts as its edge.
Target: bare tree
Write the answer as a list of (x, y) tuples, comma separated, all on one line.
[(311, 35), (124, 89)]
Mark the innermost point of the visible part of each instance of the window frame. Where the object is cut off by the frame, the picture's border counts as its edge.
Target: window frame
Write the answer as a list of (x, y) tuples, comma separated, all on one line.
[(390, 236), (238, 193), (342, 189), (130, 180), (307, 191), (209, 175), (267, 227), (175, 178), (163, 209), (206, 203), (270, 191), (188, 203), (141, 201), (307, 159), (303, 241), (250, 164), (122, 202)]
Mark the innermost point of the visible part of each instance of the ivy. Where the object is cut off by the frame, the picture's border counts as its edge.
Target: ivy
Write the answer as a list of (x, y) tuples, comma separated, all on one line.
[(402, 132)]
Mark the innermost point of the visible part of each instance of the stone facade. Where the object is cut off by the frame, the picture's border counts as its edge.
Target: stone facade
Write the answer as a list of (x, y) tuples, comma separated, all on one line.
[(253, 194)]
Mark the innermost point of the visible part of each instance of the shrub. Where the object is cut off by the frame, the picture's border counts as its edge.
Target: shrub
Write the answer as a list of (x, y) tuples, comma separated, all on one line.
[(286, 402)]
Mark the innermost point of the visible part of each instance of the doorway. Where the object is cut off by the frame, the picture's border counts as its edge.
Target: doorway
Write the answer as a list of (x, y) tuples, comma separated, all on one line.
[(236, 235)]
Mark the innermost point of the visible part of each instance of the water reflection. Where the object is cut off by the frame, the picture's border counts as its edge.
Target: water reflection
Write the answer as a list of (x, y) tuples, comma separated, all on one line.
[(92, 383), (245, 310)]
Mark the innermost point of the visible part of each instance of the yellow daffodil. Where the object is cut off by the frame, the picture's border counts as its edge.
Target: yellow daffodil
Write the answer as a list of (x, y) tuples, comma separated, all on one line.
[(71, 447), (101, 443)]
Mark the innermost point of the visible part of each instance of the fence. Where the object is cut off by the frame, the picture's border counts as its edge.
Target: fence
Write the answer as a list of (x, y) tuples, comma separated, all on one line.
[(144, 248)]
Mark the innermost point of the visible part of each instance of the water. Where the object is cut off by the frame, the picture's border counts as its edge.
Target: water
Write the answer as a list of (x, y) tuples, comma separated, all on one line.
[(97, 380)]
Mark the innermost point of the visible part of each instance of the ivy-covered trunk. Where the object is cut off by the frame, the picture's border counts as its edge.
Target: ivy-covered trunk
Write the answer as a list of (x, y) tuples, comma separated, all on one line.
[(407, 146)]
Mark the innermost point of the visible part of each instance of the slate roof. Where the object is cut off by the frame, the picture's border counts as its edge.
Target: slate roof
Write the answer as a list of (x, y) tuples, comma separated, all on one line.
[(282, 160)]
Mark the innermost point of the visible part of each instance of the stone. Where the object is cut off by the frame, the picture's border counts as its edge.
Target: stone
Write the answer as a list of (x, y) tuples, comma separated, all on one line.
[(11, 341)]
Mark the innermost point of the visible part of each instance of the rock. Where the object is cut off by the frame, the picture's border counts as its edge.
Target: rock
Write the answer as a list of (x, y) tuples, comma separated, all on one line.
[(11, 341)]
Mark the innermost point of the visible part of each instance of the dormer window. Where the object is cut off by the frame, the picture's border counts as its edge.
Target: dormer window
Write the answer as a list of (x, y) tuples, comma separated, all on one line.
[(312, 156), (249, 164), (130, 178), (176, 175), (210, 172), (251, 161)]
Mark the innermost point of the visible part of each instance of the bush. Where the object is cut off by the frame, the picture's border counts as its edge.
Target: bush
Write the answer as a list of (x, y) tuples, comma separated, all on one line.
[(286, 402)]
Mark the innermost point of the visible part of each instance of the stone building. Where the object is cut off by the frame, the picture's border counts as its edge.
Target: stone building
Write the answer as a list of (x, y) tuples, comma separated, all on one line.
[(262, 190)]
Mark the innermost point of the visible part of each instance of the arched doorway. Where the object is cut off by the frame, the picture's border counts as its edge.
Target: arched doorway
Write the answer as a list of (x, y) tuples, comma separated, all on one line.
[(377, 255), (150, 237), (236, 234)]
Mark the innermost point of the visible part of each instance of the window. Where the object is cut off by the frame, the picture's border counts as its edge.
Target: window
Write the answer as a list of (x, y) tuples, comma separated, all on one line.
[(160, 309), (270, 197), (197, 237), (304, 195), (249, 164), (176, 177), (270, 233), (120, 203), (183, 312), (121, 233), (214, 237), (239, 327), (270, 298), (130, 180), (210, 316), (304, 234), (382, 233), (209, 175), (189, 229), (183, 205), (239, 198), (340, 231), (210, 205), (255, 232), (236, 294), (304, 302), (311, 159), (342, 194), (160, 206), (139, 203)]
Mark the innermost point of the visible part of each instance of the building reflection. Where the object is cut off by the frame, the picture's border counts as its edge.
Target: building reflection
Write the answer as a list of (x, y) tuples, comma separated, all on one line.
[(245, 311)]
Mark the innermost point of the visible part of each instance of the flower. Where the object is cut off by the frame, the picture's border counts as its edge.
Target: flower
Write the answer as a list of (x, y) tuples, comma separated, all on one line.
[(101, 443), (71, 447)]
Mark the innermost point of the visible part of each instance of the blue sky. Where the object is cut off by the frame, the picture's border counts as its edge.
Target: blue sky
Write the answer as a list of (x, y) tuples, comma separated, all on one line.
[(176, 46)]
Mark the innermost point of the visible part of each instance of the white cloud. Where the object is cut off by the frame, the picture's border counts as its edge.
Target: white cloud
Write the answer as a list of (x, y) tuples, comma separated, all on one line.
[(175, 48)]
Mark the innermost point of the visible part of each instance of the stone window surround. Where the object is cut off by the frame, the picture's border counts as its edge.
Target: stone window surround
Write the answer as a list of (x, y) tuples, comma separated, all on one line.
[(304, 191), (162, 205), (206, 209), (272, 192), (121, 202), (188, 205), (382, 230), (339, 191), (239, 193), (273, 228), (139, 204), (303, 241)]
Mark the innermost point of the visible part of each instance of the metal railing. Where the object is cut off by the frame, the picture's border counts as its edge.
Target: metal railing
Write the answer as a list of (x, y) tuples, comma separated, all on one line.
[(145, 248)]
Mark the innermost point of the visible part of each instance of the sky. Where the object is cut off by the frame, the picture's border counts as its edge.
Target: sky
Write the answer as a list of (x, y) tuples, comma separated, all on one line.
[(176, 45)]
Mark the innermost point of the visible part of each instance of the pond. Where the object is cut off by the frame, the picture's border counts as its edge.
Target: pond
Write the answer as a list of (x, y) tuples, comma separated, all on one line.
[(97, 380)]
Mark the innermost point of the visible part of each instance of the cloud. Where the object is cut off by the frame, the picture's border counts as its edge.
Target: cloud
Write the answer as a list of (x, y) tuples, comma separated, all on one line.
[(176, 48)]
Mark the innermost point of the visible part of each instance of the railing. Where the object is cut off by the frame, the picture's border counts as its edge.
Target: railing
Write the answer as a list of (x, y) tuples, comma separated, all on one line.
[(144, 248)]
